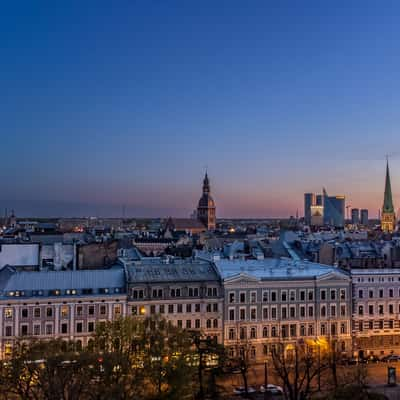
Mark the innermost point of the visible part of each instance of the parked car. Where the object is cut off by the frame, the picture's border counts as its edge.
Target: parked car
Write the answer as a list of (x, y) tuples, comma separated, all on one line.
[(390, 358), (372, 359), (272, 389), (241, 390)]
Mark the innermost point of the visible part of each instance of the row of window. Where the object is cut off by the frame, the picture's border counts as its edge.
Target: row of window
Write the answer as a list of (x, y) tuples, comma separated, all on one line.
[(380, 309), (285, 331), (174, 292), (49, 329), (68, 292), (285, 312), (379, 279), (272, 295), (37, 312), (380, 293), (370, 325), (174, 308)]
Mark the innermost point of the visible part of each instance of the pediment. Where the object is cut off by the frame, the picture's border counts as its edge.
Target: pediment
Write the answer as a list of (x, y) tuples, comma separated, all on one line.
[(241, 278), (334, 276)]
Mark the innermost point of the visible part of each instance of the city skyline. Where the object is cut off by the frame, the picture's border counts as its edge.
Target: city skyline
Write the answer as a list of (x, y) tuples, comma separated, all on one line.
[(122, 108)]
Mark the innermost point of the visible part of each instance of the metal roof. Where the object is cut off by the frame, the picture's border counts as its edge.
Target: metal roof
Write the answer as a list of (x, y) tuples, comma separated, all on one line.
[(274, 269)]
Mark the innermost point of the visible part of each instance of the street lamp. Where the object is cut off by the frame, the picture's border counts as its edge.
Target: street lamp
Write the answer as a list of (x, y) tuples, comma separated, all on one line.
[(265, 379)]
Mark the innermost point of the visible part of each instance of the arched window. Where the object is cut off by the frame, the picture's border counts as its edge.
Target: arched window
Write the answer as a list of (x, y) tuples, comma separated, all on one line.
[(253, 333), (208, 324), (265, 331)]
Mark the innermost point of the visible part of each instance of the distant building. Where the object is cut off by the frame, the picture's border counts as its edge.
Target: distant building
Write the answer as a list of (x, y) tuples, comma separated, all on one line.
[(388, 216), (206, 207), (364, 217), (317, 215), (309, 200), (334, 210), (355, 216)]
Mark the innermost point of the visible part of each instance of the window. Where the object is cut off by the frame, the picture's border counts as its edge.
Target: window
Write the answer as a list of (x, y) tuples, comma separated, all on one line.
[(370, 324), (49, 329), (134, 310), (380, 324), (302, 295), (391, 324), (323, 294), (302, 311), (342, 294), (284, 296), (333, 294), (91, 310), (273, 296), (380, 309), (49, 311), (342, 310), (242, 314), (24, 330), (64, 328), (242, 333), (8, 331), (360, 310), (79, 310), (188, 308), (343, 328), (371, 309), (253, 297), (36, 312), (265, 332), (360, 293), (284, 331), (310, 330), (333, 311), (64, 311), (152, 309), (197, 324), (391, 309), (170, 308), (36, 330), (215, 307), (197, 307), (265, 313), (293, 330), (310, 311), (180, 308), (231, 297), (390, 292), (24, 313), (162, 308), (242, 297), (188, 324), (253, 333), (79, 327), (90, 327), (380, 293), (253, 313), (265, 296), (302, 330), (231, 314), (283, 312), (273, 312), (103, 310), (292, 312), (273, 331), (333, 329), (310, 295), (323, 329), (292, 295), (179, 323), (231, 334), (371, 294), (323, 311), (117, 310)]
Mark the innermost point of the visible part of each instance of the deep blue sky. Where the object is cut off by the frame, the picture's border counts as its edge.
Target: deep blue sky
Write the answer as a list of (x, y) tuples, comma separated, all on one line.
[(105, 103)]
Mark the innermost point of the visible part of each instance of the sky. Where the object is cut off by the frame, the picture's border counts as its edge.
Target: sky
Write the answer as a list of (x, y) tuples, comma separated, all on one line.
[(119, 105)]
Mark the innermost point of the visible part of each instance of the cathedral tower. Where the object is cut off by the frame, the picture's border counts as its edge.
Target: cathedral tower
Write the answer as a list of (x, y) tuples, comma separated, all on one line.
[(388, 216), (206, 206)]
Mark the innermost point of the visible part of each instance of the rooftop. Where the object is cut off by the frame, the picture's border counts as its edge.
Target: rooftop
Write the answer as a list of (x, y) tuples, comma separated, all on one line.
[(274, 269)]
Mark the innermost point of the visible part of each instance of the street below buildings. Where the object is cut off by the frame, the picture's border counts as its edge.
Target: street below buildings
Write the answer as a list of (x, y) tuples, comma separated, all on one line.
[(376, 379)]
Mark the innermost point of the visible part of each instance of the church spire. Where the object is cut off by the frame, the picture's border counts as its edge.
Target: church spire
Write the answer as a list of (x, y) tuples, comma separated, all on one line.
[(388, 216), (206, 184), (388, 200)]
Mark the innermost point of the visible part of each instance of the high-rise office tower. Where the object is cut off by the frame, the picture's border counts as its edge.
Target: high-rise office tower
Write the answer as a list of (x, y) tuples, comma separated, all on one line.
[(364, 216), (309, 200), (334, 210), (355, 216)]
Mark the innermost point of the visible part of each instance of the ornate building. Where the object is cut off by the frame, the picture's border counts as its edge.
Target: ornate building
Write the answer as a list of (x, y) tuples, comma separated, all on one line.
[(206, 207), (388, 216)]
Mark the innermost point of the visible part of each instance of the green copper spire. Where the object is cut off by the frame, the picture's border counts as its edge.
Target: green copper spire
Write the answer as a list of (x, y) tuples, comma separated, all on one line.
[(388, 201)]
